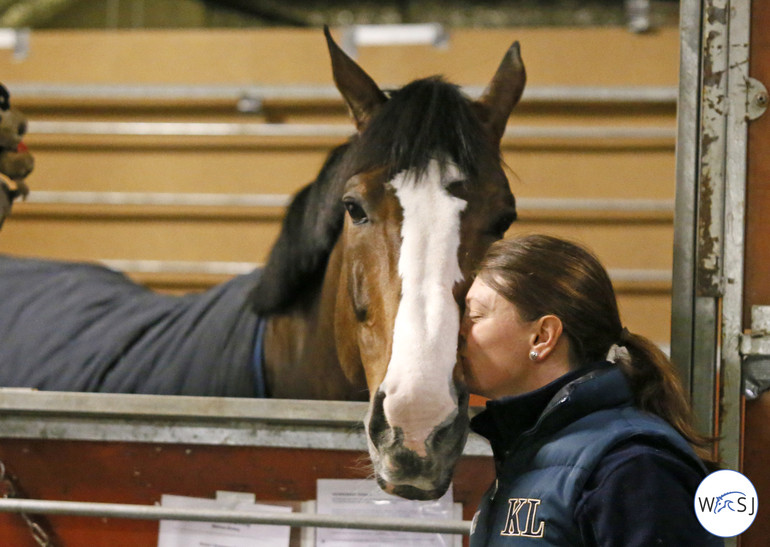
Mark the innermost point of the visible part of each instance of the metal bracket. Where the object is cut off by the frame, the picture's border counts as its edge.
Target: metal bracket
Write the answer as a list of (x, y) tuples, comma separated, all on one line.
[(756, 99), (755, 353), (250, 103)]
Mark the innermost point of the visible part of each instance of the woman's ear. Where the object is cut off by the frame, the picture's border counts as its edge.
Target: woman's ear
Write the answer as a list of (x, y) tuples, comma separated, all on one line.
[(547, 332)]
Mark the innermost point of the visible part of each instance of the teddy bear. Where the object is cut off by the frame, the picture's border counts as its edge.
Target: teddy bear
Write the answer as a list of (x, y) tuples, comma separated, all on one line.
[(16, 163)]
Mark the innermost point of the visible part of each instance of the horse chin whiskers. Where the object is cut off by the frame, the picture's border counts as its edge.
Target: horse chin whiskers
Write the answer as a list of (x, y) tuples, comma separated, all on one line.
[(364, 467)]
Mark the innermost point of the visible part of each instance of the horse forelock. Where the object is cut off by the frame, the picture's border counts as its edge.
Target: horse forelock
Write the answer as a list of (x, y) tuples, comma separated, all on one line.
[(425, 120)]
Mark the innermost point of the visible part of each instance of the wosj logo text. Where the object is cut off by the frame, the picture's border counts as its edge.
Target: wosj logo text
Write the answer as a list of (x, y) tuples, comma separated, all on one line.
[(726, 503), (736, 502)]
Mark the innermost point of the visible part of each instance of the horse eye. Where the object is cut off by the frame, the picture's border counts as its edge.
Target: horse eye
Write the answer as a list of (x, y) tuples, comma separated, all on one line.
[(356, 212), (458, 188)]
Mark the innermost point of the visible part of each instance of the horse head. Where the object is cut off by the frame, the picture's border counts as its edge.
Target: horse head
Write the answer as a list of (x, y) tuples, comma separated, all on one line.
[(425, 196), (411, 204)]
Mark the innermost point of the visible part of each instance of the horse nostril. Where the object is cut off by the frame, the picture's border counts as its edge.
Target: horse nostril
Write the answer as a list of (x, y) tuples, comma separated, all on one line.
[(377, 422), (463, 398), (22, 129), (449, 435)]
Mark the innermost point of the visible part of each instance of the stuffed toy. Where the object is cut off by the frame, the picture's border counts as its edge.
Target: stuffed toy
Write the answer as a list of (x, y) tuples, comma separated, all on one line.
[(15, 160)]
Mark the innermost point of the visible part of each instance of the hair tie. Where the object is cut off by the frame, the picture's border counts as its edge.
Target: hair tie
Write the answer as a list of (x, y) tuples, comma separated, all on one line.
[(625, 336), (618, 355)]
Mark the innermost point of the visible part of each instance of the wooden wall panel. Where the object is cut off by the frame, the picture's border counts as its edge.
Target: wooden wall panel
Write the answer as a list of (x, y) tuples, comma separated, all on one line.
[(539, 168), (176, 168), (554, 55), (592, 172)]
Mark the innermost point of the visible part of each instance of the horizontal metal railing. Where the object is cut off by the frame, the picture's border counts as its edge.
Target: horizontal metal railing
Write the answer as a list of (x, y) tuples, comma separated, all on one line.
[(237, 92), (164, 419), (618, 275), (158, 199), (182, 199), (329, 130), (218, 421), (156, 512), (147, 408)]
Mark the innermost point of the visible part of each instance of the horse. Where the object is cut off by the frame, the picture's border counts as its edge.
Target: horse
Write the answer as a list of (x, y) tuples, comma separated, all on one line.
[(360, 297)]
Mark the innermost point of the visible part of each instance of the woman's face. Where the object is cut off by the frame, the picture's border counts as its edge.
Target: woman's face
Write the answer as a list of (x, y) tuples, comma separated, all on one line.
[(495, 344)]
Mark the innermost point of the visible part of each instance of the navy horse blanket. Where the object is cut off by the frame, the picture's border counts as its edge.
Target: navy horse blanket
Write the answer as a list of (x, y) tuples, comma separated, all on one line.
[(82, 327)]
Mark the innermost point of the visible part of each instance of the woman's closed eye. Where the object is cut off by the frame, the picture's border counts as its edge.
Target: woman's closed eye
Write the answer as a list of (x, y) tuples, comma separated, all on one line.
[(473, 316)]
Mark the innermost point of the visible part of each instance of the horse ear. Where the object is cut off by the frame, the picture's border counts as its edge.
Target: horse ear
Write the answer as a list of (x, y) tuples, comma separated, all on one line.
[(503, 92), (360, 92)]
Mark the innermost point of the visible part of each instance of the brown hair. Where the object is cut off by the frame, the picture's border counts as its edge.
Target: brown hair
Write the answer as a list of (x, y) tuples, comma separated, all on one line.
[(543, 275)]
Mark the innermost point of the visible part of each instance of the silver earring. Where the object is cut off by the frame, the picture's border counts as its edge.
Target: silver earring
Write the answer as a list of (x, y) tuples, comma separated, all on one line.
[(534, 355)]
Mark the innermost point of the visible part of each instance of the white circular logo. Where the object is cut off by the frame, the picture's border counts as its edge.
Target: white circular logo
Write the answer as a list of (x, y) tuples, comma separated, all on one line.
[(726, 503)]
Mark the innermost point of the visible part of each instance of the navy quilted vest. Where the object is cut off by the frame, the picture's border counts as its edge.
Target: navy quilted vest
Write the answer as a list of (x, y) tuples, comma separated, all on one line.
[(540, 479)]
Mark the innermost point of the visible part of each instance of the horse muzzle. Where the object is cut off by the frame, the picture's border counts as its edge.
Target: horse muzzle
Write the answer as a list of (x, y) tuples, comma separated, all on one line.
[(420, 471)]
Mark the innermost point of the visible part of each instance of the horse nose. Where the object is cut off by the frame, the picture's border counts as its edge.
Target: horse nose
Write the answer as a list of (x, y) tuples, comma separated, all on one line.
[(423, 435)]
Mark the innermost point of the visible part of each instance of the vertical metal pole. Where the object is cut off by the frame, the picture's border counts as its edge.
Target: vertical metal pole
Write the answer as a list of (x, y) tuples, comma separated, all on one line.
[(694, 312), (736, 153), (709, 244), (682, 297), (710, 211)]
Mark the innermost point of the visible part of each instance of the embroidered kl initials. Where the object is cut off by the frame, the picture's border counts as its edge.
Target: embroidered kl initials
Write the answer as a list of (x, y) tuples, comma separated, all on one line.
[(523, 523)]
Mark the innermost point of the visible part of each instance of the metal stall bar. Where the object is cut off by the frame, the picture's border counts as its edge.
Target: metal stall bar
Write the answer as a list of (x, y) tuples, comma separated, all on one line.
[(214, 129), (683, 280), (74, 197), (739, 112), (625, 275), (175, 419), (176, 199), (258, 93), (156, 512)]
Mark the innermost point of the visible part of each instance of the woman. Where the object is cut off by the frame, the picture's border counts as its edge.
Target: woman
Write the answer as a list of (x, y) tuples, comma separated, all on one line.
[(588, 423)]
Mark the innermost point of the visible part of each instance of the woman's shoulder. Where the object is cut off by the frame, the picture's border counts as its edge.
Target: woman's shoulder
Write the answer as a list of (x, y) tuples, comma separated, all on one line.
[(646, 455), (646, 482)]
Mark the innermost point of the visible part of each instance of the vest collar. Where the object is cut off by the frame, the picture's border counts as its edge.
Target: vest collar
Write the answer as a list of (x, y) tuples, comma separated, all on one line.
[(548, 409)]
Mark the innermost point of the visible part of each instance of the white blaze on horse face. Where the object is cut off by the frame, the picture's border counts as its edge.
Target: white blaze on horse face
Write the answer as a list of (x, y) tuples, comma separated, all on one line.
[(418, 383)]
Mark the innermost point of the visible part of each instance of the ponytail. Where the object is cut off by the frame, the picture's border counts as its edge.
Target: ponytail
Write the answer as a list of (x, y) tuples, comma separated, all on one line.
[(657, 389)]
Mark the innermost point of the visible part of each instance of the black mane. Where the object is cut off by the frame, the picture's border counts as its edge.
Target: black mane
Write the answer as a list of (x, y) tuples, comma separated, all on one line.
[(309, 231), (427, 119)]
